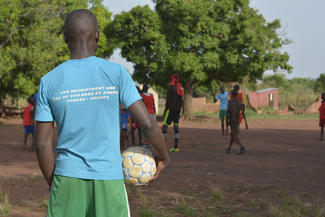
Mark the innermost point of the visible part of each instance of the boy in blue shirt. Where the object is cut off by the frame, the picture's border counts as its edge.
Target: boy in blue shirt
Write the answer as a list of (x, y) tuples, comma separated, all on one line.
[(125, 122), (223, 97), (83, 96)]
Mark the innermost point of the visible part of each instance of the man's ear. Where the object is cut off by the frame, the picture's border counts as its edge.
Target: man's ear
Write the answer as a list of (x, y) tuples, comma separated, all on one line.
[(97, 36), (64, 38)]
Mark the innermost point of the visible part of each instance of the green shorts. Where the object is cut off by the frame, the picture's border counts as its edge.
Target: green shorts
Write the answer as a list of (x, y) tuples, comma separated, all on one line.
[(72, 197), (222, 114)]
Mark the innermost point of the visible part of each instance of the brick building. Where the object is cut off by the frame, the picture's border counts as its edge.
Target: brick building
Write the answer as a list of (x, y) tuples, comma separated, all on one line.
[(263, 98)]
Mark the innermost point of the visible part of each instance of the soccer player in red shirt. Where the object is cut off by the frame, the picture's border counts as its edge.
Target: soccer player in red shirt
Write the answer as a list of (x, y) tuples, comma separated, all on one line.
[(149, 101), (322, 116), (28, 121)]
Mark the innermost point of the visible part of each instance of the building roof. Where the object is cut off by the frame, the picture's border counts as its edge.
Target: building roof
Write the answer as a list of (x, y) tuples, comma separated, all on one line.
[(266, 90)]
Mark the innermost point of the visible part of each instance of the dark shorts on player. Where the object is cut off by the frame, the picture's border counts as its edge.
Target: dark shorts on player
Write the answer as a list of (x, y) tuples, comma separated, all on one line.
[(321, 122), (170, 116), (72, 197), (29, 129), (234, 132), (223, 114)]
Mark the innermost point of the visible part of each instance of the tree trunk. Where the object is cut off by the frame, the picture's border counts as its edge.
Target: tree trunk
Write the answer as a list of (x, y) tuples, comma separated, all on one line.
[(188, 90)]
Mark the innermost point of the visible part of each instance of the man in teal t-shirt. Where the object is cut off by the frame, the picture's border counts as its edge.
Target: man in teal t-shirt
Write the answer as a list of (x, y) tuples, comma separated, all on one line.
[(83, 96), (223, 97)]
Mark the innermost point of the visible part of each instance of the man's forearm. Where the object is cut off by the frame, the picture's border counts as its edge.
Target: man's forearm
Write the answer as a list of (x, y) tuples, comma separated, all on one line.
[(156, 139), (44, 149), (46, 161)]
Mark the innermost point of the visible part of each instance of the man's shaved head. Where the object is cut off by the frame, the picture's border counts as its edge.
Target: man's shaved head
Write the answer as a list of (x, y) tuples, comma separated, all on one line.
[(80, 25)]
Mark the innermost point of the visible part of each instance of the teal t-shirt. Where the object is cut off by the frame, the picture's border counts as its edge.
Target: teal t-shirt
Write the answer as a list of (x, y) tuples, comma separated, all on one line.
[(223, 100), (83, 96)]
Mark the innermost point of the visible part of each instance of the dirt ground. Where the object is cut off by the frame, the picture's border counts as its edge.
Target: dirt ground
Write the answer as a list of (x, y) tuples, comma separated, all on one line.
[(284, 159)]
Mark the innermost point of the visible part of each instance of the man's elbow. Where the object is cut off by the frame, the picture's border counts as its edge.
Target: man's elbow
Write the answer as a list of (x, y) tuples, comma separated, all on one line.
[(147, 125)]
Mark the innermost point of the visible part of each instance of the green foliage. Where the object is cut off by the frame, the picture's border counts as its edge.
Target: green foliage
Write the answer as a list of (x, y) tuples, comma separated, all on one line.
[(293, 207), (5, 206), (31, 43), (204, 41), (137, 33), (319, 85)]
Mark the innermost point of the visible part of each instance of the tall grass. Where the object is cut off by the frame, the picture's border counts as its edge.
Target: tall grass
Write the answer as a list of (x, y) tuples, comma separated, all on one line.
[(5, 206)]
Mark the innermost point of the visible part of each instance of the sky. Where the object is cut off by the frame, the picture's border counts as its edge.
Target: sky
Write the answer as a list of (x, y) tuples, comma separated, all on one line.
[(301, 20)]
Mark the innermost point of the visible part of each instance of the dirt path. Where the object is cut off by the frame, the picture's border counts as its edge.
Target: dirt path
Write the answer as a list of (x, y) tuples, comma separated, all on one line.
[(282, 155)]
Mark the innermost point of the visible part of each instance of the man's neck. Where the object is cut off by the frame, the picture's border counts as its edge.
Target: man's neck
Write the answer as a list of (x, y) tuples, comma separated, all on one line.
[(81, 50)]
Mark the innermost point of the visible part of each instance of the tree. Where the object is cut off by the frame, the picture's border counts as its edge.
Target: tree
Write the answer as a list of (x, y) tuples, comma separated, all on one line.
[(31, 43), (278, 81), (137, 33), (205, 40), (319, 85)]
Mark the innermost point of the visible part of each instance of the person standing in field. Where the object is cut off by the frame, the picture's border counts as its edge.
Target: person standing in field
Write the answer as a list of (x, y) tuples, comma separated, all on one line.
[(135, 126), (322, 116), (83, 95), (223, 97), (174, 104), (235, 108), (125, 123), (149, 101), (28, 122)]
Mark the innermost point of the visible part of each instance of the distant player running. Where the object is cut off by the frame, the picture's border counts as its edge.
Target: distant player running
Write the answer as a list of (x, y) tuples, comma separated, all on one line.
[(235, 108), (322, 117), (223, 97), (83, 96), (242, 99), (174, 104)]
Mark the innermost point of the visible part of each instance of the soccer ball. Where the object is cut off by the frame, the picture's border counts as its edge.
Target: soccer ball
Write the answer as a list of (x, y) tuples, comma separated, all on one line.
[(139, 165)]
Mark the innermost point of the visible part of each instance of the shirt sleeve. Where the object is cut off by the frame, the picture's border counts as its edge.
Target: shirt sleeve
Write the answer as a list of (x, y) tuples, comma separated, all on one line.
[(128, 92), (218, 97), (43, 109)]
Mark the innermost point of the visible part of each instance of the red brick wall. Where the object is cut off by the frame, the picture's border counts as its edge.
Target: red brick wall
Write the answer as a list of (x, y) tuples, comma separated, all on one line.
[(199, 105), (262, 99)]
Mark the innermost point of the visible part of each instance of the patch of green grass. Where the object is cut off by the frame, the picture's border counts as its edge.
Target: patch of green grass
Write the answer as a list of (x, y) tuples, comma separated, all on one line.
[(32, 177), (184, 209), (144, 210), (293, 207), (217, 193), (44, 203), (244, 214), (250, 114), (1, 123), (5, 205)]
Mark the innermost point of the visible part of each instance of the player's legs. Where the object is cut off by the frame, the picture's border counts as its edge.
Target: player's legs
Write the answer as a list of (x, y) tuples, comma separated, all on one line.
[(237, 138), (175, 119), (33, 147), (109, 199), (166, 123), (232, 138), (69, 197), (222, 115)]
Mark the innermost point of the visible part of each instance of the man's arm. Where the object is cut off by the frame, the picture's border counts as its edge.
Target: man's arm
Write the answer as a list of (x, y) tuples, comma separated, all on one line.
[(152, 132), (244, 116), (228, 114), (45, 150)]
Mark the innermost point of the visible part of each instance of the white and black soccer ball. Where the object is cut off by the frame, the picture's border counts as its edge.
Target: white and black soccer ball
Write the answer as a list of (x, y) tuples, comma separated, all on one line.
[(138, 164)]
